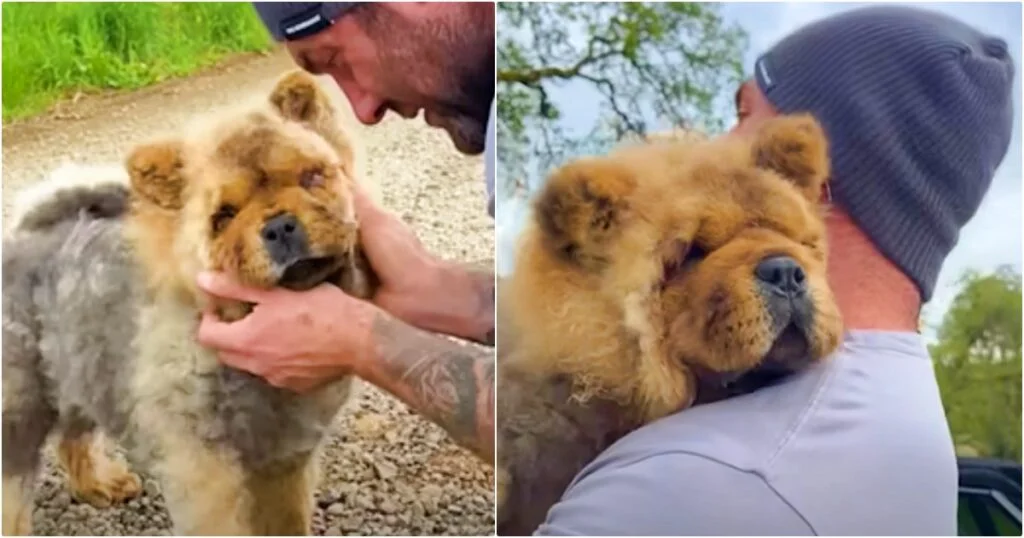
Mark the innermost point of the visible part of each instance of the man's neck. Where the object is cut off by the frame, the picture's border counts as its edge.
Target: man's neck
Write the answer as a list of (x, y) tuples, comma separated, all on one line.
[(872, 292)]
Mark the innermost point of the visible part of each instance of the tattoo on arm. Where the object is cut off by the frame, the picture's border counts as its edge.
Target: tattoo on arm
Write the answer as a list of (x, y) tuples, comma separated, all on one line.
[(482, 276), (449, 383)]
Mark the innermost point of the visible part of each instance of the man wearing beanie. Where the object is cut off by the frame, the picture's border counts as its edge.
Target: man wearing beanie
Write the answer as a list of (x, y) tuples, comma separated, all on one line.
[(405, 57), (918, 110)]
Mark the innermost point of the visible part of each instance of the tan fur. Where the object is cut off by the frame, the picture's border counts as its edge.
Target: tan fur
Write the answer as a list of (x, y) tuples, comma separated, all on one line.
[(196, 426), (206, 488), (93, 476), (182, 183), (611, 294), (658, 195), (17, 498), (260, 164)]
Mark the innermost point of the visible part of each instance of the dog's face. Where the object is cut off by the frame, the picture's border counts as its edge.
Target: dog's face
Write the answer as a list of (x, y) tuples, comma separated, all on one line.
[(264, 194), (670, 261)]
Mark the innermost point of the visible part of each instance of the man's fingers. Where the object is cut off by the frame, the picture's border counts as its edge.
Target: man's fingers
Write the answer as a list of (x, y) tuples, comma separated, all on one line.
[(222, 285), (217, 334), (241, 361)]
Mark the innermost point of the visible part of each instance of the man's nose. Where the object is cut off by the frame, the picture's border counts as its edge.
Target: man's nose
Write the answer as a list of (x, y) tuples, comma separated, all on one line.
[(368, 108)]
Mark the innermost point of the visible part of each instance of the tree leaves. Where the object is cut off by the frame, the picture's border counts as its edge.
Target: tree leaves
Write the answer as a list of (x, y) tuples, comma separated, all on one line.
[(978, 364), (671, 62)]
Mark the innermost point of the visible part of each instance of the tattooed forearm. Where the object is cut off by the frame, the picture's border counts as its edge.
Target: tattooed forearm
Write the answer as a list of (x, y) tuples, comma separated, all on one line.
[(482, 276), (448, 383)]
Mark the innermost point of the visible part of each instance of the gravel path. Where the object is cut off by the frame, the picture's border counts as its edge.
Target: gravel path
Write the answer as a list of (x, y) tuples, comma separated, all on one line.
[(386, 471)]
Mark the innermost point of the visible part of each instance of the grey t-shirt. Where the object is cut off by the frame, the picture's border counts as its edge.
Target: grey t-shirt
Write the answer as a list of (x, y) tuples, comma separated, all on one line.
[(858, 445)]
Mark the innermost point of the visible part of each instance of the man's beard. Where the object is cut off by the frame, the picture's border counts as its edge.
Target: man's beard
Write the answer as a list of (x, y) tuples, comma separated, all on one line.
[(466, 121)]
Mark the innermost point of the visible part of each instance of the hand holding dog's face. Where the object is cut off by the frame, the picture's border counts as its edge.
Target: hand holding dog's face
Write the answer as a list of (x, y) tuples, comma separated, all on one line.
[(264, 196)]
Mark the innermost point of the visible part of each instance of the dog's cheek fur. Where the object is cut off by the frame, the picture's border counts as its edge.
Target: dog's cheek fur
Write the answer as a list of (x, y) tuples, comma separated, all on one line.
[(717, 319)]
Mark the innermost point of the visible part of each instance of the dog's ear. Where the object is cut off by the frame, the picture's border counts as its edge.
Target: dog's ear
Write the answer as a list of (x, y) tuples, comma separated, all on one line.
[(154, 169), (297, 96), (582, 208), (795, 147)]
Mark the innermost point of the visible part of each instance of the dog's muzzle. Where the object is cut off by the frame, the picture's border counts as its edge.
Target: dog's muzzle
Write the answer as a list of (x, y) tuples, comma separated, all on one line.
[(285, 241)]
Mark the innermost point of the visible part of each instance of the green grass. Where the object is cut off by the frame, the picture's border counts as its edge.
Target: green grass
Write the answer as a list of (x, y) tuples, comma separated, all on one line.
[(51, 50)]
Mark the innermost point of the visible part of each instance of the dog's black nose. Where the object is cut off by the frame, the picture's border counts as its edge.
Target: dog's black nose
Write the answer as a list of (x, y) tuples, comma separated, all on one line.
[(285, 239), (782, 276)]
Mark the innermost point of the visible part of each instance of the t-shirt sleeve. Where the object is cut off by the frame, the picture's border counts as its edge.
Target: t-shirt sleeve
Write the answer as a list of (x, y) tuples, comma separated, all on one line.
[(672, 494)]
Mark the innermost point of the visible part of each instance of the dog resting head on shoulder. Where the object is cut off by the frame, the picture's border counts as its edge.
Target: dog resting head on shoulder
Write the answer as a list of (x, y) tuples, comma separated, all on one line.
[(263, 193), (671, 261), (671, 264)]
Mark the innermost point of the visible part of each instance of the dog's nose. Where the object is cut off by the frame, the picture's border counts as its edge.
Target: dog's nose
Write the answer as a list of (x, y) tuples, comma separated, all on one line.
[(284, 238), (782, 276)]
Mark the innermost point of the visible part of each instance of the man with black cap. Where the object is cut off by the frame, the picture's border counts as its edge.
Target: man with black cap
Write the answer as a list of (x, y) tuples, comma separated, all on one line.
[(918, 109), (405, 57)]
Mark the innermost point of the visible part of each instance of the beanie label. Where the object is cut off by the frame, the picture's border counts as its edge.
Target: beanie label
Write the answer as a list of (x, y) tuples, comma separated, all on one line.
[(761, 70)]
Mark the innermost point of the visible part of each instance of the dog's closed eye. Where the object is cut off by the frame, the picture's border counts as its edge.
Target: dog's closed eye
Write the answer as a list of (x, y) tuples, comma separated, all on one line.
[(680, 257), (311, 178), (223, 217)]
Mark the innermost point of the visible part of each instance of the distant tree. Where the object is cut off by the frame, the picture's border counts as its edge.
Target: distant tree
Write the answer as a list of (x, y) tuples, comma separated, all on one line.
[(978, 364), (676, 62)]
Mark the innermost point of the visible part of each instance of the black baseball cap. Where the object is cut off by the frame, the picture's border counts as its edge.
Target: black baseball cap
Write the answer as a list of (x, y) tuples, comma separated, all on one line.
[(288, 21)]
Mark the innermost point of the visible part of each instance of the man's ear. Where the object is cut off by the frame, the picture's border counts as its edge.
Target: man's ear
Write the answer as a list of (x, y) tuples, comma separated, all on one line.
[(795, 147), (154, 170)]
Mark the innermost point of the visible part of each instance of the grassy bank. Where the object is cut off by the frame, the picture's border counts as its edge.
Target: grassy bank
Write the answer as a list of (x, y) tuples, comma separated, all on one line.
[(51, 50)]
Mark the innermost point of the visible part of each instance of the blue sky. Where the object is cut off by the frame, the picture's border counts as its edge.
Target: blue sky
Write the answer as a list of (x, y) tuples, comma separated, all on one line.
[(991, 239)]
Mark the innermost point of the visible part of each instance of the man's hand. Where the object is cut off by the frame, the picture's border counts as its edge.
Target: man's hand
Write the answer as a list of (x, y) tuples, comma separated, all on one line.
[(297, 341), (419, 288), (302, 340)]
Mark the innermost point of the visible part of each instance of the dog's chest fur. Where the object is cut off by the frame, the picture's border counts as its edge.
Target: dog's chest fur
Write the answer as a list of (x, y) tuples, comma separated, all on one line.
[(110, 354)]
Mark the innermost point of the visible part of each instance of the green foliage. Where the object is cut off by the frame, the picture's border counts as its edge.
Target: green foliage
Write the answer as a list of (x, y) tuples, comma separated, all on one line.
[(676, 62), (52, 49), (978, 364)]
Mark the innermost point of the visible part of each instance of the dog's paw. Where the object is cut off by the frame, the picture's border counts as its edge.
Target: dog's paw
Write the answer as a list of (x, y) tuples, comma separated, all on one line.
[(582, 209), (112, 485), (795, 147)]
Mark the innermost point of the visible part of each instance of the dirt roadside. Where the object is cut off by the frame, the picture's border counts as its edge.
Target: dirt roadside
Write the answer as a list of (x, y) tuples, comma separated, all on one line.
[(385, 471)]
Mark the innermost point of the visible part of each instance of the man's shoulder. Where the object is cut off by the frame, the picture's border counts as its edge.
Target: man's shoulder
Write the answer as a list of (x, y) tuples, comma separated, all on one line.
[(672, 493), (750, 431), (766, 455), (741, 432), (695, 472)]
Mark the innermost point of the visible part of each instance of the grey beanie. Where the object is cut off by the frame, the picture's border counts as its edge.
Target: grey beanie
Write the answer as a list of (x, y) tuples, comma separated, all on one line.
[(296, 20), (918, 110)]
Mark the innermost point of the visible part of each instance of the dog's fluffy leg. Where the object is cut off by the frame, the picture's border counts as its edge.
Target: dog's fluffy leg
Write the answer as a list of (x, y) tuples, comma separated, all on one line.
[(283, 498), (93, 476), (209, 492), (204, 488), (27, 418), (18, 505)]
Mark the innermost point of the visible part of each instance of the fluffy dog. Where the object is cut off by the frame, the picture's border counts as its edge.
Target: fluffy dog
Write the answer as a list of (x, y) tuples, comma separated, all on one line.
[(100, 312), (666, 270)]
